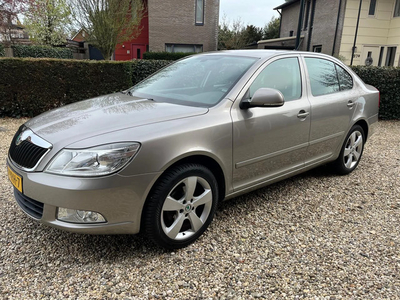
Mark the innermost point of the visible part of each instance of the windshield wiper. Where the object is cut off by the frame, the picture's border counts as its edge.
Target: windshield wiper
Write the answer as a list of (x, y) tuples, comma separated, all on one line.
[(129, 92)]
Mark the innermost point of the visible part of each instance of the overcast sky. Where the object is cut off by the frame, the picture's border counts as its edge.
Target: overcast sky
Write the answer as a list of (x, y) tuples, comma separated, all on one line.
[(251, 12)]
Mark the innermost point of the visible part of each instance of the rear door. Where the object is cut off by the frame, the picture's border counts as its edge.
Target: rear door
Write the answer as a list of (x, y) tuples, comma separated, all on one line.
[(269, 142), (333, 100)]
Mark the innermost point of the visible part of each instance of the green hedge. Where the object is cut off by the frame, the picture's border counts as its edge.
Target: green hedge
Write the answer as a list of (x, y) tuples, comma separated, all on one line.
[(144, 68), (30, 86), (387, 81), (41, 51), (2, 51), (166, 55)]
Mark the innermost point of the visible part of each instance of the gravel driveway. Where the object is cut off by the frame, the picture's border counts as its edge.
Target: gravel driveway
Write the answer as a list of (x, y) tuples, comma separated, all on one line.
[(315, 236)]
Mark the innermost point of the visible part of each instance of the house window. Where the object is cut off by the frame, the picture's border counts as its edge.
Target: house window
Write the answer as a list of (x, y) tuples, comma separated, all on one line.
[(199, 12), (391, 52), (291, 33), (380, 56), (183, 48), (317, 48), (397, 9), (372, 6)]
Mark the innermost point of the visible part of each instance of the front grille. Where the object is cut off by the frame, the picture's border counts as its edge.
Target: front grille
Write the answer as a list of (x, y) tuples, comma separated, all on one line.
[(26, 154), (31, 207)]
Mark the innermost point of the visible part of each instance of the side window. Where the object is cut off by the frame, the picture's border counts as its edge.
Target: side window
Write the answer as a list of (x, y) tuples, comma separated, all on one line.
[(345, 79), (323, 76), (283, 75)]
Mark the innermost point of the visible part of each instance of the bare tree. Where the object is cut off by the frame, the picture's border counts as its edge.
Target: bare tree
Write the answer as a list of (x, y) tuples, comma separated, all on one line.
[(109, 22)]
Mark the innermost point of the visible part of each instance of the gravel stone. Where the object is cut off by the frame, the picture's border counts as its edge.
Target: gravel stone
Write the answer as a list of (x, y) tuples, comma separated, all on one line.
[(314, 236)]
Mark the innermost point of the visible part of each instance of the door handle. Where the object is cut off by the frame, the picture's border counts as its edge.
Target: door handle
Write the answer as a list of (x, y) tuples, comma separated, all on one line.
[(350, 104), (303, 114)]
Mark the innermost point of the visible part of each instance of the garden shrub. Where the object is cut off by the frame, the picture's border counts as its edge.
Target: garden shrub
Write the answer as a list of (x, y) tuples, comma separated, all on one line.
[(387, 81), (144, 68), (166, 55), (41, 51), (30, 86), (2, 51)]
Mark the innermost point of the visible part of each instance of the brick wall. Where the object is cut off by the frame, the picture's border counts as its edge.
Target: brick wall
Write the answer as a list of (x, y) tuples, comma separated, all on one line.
[(173, 22), (324, 27)]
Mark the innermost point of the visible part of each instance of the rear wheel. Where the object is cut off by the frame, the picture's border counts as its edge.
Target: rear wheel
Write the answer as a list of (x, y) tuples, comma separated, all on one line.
[(180, 206), (351, 152)]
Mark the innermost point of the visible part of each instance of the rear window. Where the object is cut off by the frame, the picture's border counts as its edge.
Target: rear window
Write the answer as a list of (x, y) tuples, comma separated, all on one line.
[(345, 79), (323, 76)]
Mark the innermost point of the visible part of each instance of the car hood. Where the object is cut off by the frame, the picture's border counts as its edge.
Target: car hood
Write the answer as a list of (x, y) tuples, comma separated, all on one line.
[(105, 114)]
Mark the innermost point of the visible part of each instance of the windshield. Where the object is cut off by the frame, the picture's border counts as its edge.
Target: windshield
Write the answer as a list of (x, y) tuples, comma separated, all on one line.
[(201, 80)]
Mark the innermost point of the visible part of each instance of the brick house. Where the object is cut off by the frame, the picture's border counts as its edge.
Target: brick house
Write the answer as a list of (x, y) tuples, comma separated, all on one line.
[(11, 30), (174, 26), (358, 31)]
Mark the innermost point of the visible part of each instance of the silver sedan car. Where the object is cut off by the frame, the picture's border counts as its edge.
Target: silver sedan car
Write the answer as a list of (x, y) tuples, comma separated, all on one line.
[(158, 158)]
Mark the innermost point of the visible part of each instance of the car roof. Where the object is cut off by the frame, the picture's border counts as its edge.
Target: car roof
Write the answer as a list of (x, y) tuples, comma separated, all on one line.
[(258, 53), (261, 53)]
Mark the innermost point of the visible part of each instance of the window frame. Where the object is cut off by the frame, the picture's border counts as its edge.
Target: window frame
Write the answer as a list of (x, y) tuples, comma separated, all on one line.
[(195, 46), (335, 65), (381, 51), (372, 8), (315, 47), (196, 21), (390, 55), (396, 12)]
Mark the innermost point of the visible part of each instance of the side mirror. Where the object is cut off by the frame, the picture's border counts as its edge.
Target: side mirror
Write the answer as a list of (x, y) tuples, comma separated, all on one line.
[(264, 97)]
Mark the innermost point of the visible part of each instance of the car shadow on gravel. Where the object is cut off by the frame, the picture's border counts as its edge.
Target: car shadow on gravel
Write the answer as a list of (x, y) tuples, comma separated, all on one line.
[(85, 248), (113, 248), (281, 187)]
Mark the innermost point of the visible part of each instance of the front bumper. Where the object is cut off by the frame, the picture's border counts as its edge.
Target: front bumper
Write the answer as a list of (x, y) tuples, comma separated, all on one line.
[(119, 199)]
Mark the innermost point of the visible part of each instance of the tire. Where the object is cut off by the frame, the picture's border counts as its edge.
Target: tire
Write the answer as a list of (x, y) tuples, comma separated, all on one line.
[(351, 152), (175, 215)]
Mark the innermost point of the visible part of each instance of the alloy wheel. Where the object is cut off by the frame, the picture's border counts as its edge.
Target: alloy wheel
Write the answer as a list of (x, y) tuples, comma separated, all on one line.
[(186, 208), (353, 149)]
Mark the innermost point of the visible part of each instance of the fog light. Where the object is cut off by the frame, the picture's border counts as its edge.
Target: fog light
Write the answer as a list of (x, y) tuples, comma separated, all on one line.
[(79, 216)]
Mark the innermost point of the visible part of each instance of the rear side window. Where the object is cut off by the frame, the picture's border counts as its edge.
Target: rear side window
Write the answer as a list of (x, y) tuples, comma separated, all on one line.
[(283, 75), (345, 79), (323, 76)]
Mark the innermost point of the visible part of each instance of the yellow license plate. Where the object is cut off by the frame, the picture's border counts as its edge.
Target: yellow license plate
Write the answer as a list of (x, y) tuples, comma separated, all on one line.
[(15, 179)]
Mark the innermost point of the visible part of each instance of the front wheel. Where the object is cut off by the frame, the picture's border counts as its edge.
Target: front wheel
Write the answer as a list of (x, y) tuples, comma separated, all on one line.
[(351, 152), (181, 206)]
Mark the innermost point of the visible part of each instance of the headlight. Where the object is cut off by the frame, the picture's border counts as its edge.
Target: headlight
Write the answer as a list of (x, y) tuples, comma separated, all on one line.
[(97, 161)]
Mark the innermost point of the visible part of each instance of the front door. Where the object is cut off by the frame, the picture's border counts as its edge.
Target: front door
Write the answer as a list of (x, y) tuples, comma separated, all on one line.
[(137, 51), (370, 55), (270, 142)]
